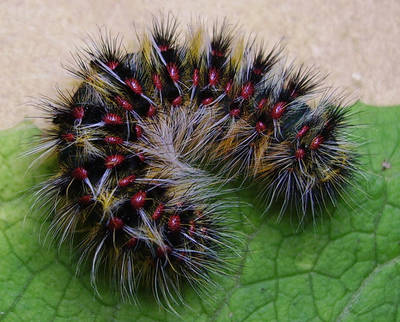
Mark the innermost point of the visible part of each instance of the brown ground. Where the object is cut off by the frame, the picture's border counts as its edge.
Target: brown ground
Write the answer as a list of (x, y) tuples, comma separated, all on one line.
[(356, 41)]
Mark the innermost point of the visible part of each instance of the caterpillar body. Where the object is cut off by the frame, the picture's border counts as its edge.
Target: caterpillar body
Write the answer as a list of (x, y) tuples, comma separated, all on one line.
[(148, 139)]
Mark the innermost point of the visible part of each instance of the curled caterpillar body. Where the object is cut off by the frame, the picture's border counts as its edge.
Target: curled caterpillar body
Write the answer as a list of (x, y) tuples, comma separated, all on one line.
[(136, 139)]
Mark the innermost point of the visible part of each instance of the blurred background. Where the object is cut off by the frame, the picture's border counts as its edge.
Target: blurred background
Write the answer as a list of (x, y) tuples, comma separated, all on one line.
[(356, 42)]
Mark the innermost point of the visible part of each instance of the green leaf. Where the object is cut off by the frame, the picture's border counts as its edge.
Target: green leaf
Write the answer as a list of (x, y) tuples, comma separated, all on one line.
[(345, 268)]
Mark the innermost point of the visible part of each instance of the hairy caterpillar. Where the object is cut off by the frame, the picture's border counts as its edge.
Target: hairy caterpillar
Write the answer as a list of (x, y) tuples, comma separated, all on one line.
[(137, 141)]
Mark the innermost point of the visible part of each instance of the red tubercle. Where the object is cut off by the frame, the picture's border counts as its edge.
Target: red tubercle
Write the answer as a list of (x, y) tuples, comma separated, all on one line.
[(260, 127), (261, 104), (151, 111), (78, 112), (257, 71), (247, 90), (196, 77), (112, 119), (69, 137), (302, 131), (157, 82), (138, 200), (278, 110), (141, 157), (217, 53), (123, 103), (79, 173), (173, 72), (207, 101), (162, 251), (112, 64), (85, 200), (316, 142), (158, 212), (213, 77), (174, 223), (127, 181), (228, 86), (134, 85), (113, 161), (177, 101), (235, 112), (131, 242), (113, 140), (300, 153), (138, 131), (115, 223), (163, 47)]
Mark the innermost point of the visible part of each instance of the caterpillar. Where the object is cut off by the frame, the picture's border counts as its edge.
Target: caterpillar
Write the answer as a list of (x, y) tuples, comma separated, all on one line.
[(149, 140)]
